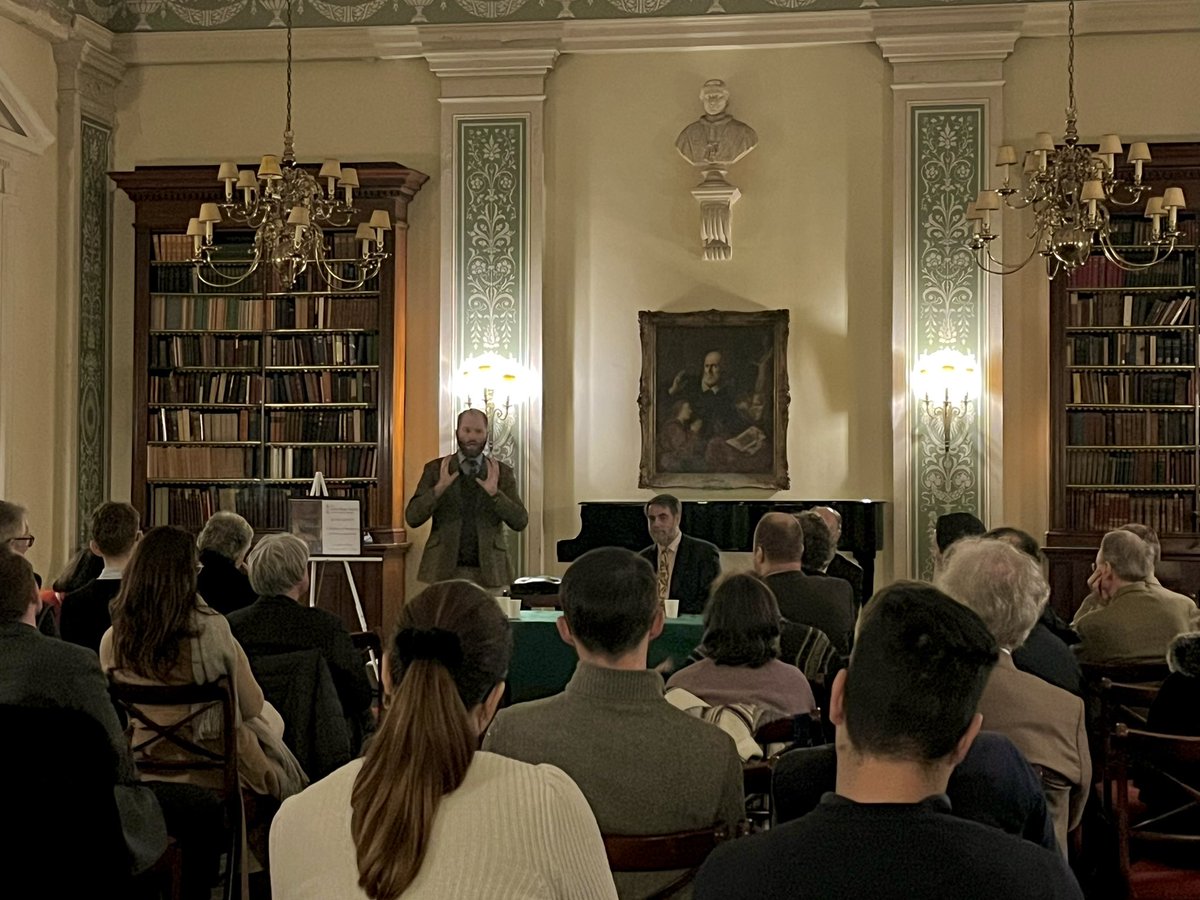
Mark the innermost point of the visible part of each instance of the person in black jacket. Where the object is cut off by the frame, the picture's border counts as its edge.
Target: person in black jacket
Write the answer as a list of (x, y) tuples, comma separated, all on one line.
[(281, 621), (223, 544), (685, 566), (115, 530)]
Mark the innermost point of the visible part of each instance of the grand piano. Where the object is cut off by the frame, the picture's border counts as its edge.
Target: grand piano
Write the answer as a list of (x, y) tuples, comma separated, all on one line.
[(727, 523)]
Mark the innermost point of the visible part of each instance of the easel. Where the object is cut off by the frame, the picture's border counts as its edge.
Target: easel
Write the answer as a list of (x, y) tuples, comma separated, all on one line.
[(319, 489)]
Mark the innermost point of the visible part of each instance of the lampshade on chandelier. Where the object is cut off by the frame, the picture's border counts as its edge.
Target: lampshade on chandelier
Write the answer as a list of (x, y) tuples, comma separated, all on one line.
[(1071, 190), (288, 208)]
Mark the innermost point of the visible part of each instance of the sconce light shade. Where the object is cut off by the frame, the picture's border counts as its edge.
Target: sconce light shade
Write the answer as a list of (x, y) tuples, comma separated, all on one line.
[(946, 373), (506, 379)]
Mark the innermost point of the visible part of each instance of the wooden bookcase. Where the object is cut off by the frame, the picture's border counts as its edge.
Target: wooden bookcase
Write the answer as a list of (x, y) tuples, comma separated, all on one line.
[(241, 393), (1124, 398)]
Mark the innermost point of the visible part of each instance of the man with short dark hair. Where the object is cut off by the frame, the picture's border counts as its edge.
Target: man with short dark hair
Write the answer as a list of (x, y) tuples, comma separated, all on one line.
[(84, 617), (1136, 622), (685, 566), (951, 527), (469, 513), (45, 672), (816, 600), (905, 716), (644, 766)]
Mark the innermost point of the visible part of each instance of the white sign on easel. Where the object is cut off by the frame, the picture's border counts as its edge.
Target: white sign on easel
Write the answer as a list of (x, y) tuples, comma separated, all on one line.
[(331, 530)]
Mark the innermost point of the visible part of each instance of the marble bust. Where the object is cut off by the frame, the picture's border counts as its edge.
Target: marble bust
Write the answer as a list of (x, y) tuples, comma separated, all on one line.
[(716, 139)]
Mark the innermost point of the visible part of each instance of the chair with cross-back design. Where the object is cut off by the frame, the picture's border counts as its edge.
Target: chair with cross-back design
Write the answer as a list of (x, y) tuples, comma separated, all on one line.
[(163, 718)]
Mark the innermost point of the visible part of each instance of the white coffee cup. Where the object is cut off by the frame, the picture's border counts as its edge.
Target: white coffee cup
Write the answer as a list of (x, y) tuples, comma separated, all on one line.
[(512, 607), (671, 608)]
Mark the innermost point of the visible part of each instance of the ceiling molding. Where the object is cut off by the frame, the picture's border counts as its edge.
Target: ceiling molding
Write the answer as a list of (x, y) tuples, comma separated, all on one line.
[(42, 17), (983, 31)]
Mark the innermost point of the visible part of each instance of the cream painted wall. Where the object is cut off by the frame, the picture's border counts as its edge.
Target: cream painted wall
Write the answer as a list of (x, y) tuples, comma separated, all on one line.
[(1147, 99), (368, 110), (810, 234), (30, 353)]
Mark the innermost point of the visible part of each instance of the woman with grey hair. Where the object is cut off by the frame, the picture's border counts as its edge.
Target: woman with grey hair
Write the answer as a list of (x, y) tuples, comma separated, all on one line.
[(281, 621), (1006, 589), (223, 544)]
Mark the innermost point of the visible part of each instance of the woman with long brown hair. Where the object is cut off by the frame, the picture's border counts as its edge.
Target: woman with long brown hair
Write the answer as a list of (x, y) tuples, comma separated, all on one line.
[(163, 633), (426, 815)]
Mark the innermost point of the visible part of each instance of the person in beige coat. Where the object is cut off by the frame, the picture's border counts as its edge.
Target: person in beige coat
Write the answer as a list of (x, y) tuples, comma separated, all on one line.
[(1137, 620), (1008, 591)]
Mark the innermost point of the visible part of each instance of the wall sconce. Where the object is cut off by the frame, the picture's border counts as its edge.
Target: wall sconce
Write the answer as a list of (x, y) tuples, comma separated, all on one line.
[(498, 382), (946, 381)]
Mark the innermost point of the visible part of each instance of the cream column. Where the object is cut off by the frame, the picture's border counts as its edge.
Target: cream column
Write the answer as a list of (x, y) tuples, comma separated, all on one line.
[(88, 73), (947, 89), (492, 196)]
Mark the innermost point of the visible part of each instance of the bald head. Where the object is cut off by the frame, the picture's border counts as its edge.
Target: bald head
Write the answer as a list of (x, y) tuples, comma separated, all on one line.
[(778, 543)]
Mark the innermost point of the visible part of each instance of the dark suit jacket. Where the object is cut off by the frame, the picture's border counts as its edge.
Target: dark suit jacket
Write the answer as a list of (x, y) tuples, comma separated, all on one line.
[(223, 585), (84, 617), (274, 625), (440, 558), (39, 671), (848, 570), (817, 600), (697, 565), (1045, 655)]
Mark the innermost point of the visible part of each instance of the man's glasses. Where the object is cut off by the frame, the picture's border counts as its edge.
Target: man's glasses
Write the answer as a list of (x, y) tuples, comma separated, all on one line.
[(26, 539)]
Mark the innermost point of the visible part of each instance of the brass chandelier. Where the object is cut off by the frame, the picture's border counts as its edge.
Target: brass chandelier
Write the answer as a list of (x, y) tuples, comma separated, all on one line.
[(1070, 190), (288, 209)]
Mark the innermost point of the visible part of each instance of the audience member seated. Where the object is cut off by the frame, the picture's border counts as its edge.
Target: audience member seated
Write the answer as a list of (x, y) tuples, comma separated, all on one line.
[(994, 784), (1133, 620), (223, 543), (84, 617), (39, 671), (686, 566), (423, 814), (905, 717), (1006, 589), (645, 767), (841, 566), (816, 600), (951, 527), (16, 536), (741, 653), (281, 621), (1095, 601), (81, 570), (164, 633), (819, 545), (1175, 710), (1046, 653)]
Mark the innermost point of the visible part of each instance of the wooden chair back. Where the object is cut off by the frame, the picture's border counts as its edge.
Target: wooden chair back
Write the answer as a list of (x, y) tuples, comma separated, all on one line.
[(138, 702), (1119, 703), (682, 850)]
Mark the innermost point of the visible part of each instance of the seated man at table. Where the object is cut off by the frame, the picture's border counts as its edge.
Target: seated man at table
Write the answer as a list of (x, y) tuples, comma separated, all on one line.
[(686, 566), (645, 767)]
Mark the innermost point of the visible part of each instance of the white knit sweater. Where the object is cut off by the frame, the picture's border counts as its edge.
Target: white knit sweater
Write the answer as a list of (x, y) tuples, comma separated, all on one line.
[(511, 830)]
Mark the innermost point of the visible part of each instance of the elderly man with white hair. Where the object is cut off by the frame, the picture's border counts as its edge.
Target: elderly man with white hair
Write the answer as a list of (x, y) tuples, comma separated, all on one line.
[(1006, 589), (223, 544), (281, 621), (1137, 620)]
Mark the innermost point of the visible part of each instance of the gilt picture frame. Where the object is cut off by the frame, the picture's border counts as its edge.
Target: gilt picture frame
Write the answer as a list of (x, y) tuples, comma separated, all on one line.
[(714, 399)]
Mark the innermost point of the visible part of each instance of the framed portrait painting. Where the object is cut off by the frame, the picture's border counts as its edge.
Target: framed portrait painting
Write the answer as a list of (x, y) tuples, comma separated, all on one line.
[(714, 399)]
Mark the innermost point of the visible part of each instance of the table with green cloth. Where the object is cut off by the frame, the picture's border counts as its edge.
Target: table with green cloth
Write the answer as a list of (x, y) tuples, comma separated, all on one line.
[(542, 664)]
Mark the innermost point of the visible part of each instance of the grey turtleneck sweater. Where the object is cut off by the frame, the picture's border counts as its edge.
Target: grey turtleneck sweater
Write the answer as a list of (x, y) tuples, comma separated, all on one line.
[(644, 766)]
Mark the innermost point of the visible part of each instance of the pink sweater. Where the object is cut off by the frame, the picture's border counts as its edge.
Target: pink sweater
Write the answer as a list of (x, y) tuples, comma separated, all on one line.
[(777, 685)]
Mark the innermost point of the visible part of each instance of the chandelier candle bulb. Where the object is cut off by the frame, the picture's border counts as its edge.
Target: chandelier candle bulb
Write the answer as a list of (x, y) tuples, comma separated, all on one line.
[(1172, 203), (1093, 191), (1155, 212), (365, 234), (195, 231), (228, 173), (1110, 149), (1139, 152), (209, 213), (331, 171), (1006, 155), (349, 183)]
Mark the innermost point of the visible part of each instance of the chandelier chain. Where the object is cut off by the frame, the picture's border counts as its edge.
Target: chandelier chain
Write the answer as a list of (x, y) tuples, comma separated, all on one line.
[(1070, 54)]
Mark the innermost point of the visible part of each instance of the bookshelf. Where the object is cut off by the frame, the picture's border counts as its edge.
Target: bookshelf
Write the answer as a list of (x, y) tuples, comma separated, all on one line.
[(1124, 398), (242, 393)]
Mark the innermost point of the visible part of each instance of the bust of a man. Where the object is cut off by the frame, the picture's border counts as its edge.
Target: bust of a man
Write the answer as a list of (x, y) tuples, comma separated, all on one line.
[(716, 139)]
